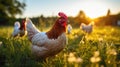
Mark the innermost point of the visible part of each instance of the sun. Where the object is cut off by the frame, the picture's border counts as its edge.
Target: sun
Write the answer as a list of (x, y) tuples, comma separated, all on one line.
[(93, 9)]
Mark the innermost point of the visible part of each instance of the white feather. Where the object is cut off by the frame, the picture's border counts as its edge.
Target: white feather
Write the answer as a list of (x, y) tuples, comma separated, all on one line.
[(69, 28), (44, 45), (31, 28), (16, 29)]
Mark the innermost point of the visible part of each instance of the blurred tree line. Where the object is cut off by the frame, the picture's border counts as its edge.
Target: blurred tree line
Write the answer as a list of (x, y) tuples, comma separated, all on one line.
[(109, 19), (9, 9), (43, 22), (81, 18)]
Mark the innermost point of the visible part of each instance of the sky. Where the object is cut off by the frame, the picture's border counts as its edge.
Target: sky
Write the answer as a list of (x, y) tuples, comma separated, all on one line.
[(92, 8)]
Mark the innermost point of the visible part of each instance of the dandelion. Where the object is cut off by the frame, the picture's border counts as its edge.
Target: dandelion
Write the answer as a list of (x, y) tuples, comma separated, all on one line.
[(86, 36), (79, 60), (100, 39), (65, 55), (109, 62), (96, 57), (112, 29), (102, 66), (65, 59), (92, 59), (76, 36), (96, 53), (71, 58), (112, 52), (0, 43)]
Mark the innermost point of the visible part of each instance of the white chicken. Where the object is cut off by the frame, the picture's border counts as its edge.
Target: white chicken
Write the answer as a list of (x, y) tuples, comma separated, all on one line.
[(69, 28), (87, 28), (19, 30), (46, 44)]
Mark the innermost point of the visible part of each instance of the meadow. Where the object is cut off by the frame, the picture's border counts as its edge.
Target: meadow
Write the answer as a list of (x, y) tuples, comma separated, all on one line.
[(101, 48)]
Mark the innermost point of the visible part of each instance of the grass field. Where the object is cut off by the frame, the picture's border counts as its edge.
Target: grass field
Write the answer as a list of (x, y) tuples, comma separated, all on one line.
[(101, 48)]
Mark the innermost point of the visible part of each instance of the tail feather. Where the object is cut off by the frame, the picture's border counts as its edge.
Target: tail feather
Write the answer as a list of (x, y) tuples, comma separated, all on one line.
[(17, 24), (31, 29)]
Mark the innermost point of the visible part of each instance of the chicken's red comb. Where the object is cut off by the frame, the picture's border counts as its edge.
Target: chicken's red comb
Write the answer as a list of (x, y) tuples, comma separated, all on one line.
[(61, 14)]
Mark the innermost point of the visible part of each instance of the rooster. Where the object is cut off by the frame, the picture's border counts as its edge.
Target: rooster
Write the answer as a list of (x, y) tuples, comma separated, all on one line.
[(87, 28), (50, 43), (19, 30)]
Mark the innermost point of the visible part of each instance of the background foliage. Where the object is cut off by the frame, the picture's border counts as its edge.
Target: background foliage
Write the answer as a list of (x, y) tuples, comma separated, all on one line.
[(9, 9)]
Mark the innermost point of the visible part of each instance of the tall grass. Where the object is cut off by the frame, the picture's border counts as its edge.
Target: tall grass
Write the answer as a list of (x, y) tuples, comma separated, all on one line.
[(101, 48)]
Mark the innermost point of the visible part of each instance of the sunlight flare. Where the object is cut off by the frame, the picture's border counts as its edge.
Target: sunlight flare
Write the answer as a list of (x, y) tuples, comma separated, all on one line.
[(93, 9)]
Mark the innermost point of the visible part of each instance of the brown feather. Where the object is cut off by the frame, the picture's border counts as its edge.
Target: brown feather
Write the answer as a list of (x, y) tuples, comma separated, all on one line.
[(56, 30)]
